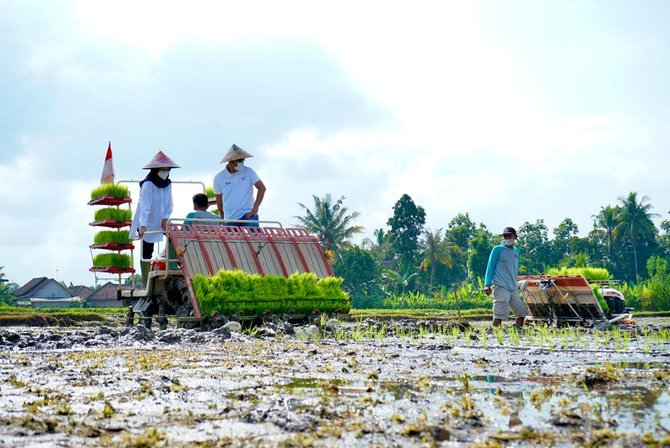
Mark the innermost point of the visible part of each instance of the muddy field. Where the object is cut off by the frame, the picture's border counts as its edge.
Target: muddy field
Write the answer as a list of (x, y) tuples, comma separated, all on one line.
[(373, 383)]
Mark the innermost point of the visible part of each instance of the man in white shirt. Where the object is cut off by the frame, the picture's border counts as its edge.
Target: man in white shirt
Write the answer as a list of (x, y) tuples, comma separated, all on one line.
[(233, 187)]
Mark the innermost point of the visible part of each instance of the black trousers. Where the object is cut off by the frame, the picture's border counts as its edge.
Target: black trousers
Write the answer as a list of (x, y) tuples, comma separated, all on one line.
[(147, 250)]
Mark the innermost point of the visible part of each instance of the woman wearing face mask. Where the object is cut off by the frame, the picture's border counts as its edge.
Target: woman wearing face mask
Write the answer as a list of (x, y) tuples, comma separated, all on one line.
[(154, 207)]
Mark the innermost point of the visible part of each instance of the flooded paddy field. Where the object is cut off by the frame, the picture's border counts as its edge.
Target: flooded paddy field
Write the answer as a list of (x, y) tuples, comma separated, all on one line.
[(372, 383)]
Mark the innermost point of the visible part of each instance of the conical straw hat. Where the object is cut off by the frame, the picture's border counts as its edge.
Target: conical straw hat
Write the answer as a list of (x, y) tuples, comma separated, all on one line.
[(235, 153), (160, 160)]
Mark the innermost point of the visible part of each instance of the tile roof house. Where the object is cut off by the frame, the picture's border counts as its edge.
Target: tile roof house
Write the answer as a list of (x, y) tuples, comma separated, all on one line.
[(105, 296), (45, 291), (80, 290)]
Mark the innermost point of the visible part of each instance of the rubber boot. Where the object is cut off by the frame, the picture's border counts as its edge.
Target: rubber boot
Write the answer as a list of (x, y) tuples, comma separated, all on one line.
[(145, 267)]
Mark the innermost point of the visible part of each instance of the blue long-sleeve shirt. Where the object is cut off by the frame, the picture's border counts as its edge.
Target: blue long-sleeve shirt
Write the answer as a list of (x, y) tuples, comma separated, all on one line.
[(503, 267)]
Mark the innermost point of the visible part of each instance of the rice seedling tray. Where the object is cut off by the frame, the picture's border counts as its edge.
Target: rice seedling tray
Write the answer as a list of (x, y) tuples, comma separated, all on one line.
[(112, 270), (109, 200), (112, 246), (111, 223)]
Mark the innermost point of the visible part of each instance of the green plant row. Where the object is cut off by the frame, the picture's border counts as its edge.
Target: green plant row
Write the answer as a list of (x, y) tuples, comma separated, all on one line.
[(117, 191), (112, 260), (112, 236), (230, 292), (114, 214), (464, 298)]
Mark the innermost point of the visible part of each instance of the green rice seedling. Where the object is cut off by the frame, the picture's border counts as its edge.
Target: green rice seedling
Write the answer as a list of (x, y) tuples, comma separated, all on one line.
[(565, 338), (467, 335), (112, 214), (607, 336), (381, 331), (484, 336), (625, 340), (531, 335), (498, 333), (596, 339), (646, 346), (114, 190), (514, 335), (112, 260), (112, 236)]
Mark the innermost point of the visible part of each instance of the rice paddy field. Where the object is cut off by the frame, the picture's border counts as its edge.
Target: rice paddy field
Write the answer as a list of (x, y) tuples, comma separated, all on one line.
[(365, 382)]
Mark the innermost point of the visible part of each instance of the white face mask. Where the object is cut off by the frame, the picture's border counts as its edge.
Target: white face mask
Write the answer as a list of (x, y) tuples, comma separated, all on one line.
[(509, 242), (163, 174), (240, 165)]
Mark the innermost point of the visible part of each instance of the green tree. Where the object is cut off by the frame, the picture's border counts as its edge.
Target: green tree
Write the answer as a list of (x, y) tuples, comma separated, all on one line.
[(6, 295), (564, 235), (634, 224), (361, 274), (480, 248), (606, 221), (460, 231), (331, 222), (437, 251), (379, 246), (534, 246), (406, 227)]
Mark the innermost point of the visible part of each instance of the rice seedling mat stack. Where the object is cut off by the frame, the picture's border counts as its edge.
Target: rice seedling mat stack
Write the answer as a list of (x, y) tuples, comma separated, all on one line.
[(116, 240)]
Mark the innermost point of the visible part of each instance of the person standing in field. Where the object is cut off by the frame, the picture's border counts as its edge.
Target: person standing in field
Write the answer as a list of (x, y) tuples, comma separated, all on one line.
[(233, 187), (154, 208), (501, 276)]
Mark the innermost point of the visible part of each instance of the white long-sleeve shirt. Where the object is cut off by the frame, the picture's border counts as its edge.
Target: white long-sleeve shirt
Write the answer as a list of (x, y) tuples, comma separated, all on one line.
[(155, 204)]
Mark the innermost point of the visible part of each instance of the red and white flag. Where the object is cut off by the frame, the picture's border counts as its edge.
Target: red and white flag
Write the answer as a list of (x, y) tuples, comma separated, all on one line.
[(108, 170)]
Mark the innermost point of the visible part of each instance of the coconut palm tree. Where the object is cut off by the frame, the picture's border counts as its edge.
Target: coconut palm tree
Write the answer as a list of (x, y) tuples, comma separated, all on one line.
[(437, 251), (606, 220), (634, 222), (330, 222)]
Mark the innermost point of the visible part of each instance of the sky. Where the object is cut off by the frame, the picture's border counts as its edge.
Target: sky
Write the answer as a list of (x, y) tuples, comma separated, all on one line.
[(510, 111)]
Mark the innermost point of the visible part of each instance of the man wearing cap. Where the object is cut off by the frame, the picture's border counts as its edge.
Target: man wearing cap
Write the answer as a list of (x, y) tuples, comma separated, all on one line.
[(233, 187), (501, 273), (154, 207)]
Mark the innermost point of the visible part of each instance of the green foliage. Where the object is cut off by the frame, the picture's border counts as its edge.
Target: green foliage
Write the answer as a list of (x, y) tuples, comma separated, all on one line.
[(535, 247), (589, 273), (115, 190), (209, 191), (230, 292), (357, 267), (112, 260), (655, 292), (634, 224), (466, 297), (112, 236), (330, 222), (406, 227), (6, 296), (113, 214)]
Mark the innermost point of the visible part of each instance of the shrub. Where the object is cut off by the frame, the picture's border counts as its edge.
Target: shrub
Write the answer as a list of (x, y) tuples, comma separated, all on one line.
[(117, 191)]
